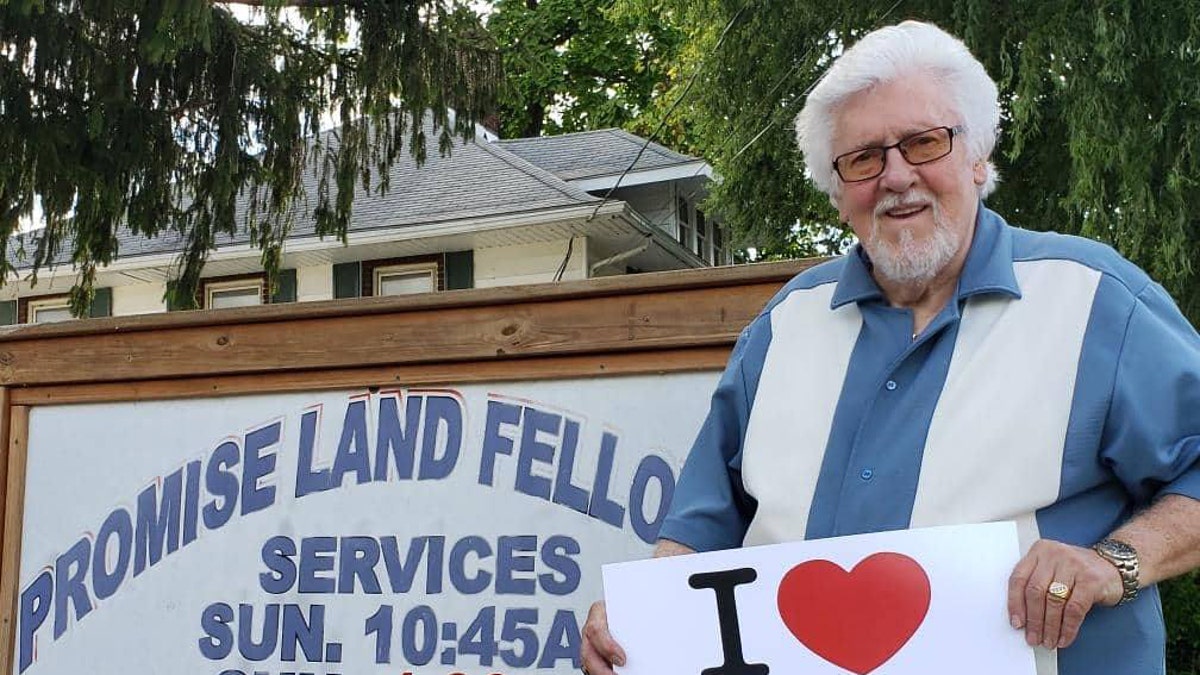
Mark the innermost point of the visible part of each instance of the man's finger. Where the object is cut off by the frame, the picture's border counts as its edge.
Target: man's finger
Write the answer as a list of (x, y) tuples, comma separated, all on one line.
[(1058, 593), (600, 641), (1035, 604), (1073, 614), (1016, 590)]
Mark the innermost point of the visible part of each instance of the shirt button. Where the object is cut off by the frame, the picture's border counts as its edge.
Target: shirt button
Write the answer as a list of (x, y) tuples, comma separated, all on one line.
[(866, 474), (891, 385)]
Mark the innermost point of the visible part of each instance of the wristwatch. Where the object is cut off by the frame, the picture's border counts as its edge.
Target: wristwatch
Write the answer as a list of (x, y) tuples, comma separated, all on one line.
[(1125, 559)]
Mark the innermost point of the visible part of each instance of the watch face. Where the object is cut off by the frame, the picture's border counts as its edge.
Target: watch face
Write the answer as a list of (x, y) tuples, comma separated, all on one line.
[(1117, 549)]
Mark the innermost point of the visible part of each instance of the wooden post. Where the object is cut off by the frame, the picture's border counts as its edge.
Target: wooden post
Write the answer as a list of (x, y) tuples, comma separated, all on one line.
[(10, 553)]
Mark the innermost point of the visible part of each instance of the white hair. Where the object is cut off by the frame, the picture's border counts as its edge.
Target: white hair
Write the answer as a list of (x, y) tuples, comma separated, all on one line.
[(885, 55)]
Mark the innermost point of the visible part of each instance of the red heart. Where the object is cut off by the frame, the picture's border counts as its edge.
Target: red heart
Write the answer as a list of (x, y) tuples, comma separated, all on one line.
[(858, 619)]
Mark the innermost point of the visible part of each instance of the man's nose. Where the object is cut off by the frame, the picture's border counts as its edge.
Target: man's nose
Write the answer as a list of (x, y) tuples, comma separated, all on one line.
[(898, 175)]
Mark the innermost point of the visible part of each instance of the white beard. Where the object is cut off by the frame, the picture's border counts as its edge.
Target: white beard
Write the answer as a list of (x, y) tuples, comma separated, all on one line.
[(911, 260)]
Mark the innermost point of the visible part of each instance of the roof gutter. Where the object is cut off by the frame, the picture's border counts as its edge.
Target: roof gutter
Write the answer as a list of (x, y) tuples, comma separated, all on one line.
[(659, 238), (380, 235)]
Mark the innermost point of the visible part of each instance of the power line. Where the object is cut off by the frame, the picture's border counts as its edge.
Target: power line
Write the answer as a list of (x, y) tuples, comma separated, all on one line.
[(771, 121), (667, 115), (767, 98)]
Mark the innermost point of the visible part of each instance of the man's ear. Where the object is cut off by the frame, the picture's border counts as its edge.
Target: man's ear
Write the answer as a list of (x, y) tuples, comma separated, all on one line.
[(979, 172)]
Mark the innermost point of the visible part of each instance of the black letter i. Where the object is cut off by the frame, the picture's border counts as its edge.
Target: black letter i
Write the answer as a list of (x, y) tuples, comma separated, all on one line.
[(723, 584)]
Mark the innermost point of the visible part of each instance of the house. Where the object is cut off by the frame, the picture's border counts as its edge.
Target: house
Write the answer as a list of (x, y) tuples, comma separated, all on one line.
[(492, 213)]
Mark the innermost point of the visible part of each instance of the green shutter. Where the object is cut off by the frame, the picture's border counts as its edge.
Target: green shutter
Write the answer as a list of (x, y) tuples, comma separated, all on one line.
[(347, 280), (8, 312), (101, 303), (285, 287), (460, 270)]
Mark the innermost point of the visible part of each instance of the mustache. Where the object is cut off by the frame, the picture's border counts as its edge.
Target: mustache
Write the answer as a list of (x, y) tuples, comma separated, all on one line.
[(915, 197)]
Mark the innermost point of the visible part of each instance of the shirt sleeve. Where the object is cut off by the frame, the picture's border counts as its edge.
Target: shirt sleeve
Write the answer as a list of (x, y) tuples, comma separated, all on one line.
[(710, 509), (1152, 435)]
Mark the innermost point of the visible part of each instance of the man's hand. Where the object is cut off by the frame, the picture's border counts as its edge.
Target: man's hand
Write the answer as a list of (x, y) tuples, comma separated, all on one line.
[(1050, 621), (599, 651)]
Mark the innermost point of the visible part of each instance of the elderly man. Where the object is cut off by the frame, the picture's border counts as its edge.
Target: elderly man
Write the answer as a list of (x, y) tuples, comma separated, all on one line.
[(954, 369)]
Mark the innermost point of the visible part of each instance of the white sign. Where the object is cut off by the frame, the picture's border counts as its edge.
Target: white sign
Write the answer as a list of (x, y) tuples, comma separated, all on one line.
[(912, 602), (358, 533)]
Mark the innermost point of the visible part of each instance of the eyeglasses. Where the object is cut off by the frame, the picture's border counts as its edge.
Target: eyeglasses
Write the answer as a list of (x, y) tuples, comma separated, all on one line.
[(919, 148)]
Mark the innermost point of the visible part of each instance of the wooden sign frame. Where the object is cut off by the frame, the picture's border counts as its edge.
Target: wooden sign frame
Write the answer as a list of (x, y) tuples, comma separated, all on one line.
[(651, 323)]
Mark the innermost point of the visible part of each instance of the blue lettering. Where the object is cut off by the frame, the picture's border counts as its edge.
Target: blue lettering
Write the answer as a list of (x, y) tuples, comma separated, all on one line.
[(277, 555), (357, 561), (562, 642), (191, 503), (217, 642), (158, 521), (458, 565), (32, 612), (534, 450), (69, 572), (222, 484), (602, 507), (433, 577), (401, 441), (119, 524), (261, 650), (556, 554), (313, 560), (652, 466), (508, 562), (298, 630), (307, 480), (565, 492), (440, 411), (257, 466), (401, 574), (493, 442), (353, 454)]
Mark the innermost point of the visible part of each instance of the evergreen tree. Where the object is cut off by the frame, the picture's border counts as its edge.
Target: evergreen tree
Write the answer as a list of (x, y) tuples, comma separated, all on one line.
[(1101, 134), (1101, 107), (159, 114)]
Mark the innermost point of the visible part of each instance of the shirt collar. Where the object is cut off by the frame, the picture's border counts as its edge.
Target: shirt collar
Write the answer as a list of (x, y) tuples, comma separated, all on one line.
[(988, 268)]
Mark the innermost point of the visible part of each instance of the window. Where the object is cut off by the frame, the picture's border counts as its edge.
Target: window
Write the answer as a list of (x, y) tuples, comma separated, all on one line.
[(236, 293), (718, 246), (49, 310), (406, 279), (702, 249), (685, 224)]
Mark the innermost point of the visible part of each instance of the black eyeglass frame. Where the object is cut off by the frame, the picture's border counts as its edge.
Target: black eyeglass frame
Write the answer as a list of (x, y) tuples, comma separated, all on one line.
[(952, 131)]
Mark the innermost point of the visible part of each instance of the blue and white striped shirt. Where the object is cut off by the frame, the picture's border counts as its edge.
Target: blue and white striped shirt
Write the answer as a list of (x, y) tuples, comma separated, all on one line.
[(1061, 389)]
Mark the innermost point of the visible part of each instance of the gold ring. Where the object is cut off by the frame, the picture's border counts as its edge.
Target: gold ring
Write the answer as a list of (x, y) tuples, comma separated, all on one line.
[(1059, 591)]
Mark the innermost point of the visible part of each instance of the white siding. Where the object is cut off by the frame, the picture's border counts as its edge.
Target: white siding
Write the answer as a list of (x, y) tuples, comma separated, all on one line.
[(138, 299), (314, 283), (655, 203), (529, 263)]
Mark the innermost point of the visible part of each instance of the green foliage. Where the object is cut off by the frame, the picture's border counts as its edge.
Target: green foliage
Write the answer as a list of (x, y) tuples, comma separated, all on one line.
[(1101, 106), (1181, 610), (161, 114), (574, 65)]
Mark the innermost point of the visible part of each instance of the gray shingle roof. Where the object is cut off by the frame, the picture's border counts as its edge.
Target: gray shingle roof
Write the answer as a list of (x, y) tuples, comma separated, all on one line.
[(477, 179), (592, 153)]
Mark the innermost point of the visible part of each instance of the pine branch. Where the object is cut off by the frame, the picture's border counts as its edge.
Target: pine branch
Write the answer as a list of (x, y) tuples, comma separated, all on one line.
[(294, 3)]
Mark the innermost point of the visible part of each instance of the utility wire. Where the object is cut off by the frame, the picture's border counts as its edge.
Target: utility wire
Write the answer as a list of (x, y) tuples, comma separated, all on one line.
[(771, 112), (667, 115), (772, 119)]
